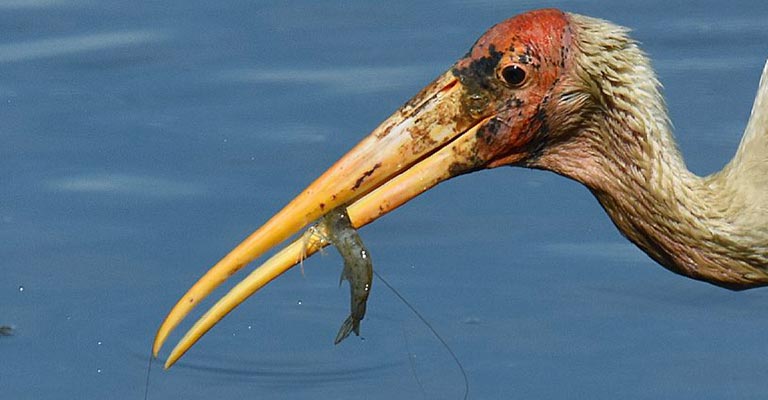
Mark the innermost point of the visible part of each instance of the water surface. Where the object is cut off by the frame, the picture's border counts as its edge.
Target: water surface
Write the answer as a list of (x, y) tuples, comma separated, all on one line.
[(143, 140)]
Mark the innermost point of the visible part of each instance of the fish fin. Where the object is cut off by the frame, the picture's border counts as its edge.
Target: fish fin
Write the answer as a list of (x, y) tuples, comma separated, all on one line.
[(349, 325), (346, 272), (344, 275)]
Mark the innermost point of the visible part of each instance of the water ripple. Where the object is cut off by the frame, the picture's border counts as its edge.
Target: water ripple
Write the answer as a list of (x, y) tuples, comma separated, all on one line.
[(45, 48), (296, 373), (26, 4), (347, 80), (125, 184)]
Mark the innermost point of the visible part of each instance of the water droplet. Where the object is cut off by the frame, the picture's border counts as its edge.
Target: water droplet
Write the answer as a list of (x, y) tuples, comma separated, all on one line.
[(249, 327), (21, 288), (69, 317), (98, 370), (298, 302), (98, 343)]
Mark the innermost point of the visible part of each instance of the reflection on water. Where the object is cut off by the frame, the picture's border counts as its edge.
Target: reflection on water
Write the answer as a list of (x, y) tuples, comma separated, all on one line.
[(125, 185), (61, 46), (21, 4), (142, 140), (276, 373), (357, 80)]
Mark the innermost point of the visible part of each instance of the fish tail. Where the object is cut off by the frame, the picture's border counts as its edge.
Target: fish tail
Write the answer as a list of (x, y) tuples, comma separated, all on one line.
[(351, 324)]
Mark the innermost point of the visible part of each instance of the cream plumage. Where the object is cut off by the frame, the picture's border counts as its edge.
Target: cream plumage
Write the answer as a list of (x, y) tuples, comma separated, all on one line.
[(713, 228)]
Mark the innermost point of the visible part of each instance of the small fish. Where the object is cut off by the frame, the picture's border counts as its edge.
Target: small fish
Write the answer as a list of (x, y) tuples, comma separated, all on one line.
[(6, 330), (358, 268)]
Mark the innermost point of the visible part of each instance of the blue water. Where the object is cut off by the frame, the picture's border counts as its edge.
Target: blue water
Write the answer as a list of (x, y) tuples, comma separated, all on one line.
[(141, 141)]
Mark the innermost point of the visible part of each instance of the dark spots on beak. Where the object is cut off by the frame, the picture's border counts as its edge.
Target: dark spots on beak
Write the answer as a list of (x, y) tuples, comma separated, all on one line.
[(236, 268), (480, 72), (413, 105), (461, 168), (456, 169), (366, 174), (476, 103), (382, 209), (478, 78), (322, 206)]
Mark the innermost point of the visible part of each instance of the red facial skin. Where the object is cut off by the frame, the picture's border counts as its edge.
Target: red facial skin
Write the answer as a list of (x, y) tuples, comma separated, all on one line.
[(538, 43)]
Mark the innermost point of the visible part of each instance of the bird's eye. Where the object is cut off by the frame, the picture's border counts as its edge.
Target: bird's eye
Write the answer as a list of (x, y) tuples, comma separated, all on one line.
[(513, 75)]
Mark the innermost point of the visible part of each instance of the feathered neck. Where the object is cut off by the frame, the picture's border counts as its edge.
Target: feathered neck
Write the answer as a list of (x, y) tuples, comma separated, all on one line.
[(625, 153)]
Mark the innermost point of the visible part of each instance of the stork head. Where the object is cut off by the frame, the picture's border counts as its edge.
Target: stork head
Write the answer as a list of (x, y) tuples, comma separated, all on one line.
[(519, 92), (513, 84)]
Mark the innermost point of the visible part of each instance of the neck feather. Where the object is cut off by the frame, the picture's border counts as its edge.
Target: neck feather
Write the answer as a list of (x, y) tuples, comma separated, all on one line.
[(624, 152)]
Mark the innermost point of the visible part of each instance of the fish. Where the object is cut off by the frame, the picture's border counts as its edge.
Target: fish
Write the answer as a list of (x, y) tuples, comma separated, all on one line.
[(358, 266), (6, 330)]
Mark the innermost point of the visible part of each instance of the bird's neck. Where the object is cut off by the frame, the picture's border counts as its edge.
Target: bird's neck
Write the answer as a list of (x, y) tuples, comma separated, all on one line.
[(626, 155)]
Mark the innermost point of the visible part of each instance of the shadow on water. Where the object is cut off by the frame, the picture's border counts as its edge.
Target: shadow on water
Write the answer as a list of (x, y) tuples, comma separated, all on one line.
[(277, 373)]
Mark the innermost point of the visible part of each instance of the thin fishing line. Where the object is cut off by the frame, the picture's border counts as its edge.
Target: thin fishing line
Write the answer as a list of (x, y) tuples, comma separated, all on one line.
[(412, 363), (431, 329), (146, 382)]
